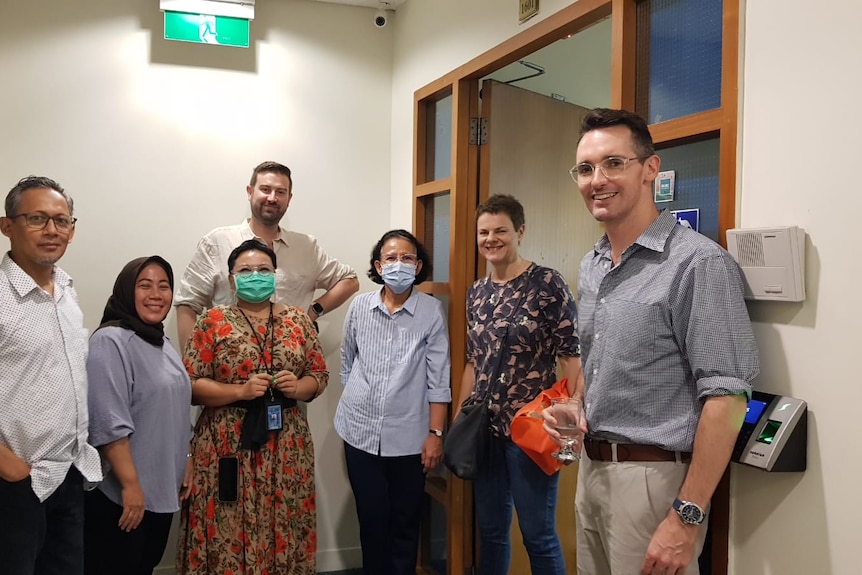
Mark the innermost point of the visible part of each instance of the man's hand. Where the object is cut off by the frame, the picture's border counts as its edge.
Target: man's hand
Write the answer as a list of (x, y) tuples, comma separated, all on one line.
[(15, 469), (432, 452), (671, 548), (550, 426)]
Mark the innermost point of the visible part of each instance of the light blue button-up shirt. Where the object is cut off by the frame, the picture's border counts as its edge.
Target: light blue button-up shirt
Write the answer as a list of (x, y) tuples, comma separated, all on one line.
[(392, 367)]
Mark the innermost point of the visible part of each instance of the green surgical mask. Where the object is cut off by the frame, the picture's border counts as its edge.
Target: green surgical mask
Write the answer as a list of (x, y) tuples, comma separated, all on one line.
[(254, 287)]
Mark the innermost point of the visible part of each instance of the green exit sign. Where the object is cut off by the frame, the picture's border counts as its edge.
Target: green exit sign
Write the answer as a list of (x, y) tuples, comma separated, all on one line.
[(206, 29)]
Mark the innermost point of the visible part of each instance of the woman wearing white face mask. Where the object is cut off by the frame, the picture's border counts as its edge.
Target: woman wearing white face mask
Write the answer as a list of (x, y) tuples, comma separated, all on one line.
[(395, 371)]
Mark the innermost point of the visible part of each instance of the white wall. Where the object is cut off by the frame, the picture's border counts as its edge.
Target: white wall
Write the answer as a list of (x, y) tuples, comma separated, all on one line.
[(800, 141), (800, 108), (155, 140)]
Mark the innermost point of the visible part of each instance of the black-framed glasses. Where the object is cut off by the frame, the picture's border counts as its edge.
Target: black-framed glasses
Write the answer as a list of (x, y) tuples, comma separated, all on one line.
[(40, 221), (612, 167)]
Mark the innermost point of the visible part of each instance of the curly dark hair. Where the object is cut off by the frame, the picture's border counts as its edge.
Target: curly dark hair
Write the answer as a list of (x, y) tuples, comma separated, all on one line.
[(421, 255)]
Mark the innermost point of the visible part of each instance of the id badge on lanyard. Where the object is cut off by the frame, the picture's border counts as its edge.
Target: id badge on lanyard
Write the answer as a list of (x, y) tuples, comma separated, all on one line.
[(273, 413)]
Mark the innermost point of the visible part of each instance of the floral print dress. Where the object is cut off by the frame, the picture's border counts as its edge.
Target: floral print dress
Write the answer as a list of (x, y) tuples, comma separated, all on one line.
[(271, 528)]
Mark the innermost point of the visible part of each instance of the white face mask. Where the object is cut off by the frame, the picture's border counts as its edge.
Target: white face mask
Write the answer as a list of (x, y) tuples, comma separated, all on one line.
[(399, 276)]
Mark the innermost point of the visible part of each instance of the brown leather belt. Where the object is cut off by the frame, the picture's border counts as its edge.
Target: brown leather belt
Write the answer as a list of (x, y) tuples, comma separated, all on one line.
[(600, 450)]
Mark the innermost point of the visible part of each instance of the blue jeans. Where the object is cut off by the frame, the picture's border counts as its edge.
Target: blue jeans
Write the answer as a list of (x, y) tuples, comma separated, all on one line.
[(512, 477)]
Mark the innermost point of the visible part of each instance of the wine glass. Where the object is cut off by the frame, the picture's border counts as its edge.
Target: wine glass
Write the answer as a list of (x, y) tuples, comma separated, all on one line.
[(568, 413)]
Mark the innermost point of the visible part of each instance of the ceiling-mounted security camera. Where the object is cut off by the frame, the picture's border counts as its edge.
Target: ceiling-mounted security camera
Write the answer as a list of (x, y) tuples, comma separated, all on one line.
[(381, 17)]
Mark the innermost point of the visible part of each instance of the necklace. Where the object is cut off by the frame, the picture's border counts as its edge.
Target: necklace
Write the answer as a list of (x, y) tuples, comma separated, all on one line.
[(261, 344)]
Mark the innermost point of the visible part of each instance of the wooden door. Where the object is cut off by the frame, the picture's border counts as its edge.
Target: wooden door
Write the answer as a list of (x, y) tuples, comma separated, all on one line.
[(530, 148)]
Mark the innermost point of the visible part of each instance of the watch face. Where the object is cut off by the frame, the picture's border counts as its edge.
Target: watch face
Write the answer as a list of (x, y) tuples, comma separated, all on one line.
[(691, 514)]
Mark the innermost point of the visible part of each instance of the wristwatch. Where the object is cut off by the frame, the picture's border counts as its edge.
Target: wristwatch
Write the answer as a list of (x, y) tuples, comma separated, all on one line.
[(689, 513), (437, 432), (317, 308)]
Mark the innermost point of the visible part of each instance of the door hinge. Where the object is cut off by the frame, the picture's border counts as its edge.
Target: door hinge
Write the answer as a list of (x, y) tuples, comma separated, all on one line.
[(478, 131)]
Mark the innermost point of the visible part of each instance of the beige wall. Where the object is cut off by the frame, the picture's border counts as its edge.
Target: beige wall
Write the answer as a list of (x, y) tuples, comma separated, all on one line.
[(800, 100), (156, 140)]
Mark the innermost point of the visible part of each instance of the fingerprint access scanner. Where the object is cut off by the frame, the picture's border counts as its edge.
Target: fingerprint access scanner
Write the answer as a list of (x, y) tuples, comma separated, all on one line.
[(774, 434)]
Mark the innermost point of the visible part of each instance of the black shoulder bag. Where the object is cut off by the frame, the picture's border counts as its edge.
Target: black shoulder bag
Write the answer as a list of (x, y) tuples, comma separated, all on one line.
[(468, 444)]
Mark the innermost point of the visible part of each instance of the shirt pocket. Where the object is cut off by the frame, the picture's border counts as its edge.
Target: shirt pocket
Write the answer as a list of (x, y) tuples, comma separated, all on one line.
[(410, 346), (633, 327)]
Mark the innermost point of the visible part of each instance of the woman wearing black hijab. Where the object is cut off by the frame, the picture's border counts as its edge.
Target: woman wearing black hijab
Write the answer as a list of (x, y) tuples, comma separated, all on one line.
[(139, 398)]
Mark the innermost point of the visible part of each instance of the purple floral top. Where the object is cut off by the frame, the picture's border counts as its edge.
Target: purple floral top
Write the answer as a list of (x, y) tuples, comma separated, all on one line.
[(531, 320)]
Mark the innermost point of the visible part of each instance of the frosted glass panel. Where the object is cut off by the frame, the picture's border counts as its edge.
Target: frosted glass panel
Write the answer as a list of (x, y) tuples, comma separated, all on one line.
[(436, 240), (679, 58), (440, 256), (438, 145), (696, 167)]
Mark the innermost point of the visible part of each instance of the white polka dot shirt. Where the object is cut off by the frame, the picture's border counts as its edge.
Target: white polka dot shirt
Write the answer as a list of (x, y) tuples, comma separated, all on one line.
[(43, 378)]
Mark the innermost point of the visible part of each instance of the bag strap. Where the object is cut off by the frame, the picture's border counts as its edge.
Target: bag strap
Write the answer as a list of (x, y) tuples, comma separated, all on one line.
[(497, 373)]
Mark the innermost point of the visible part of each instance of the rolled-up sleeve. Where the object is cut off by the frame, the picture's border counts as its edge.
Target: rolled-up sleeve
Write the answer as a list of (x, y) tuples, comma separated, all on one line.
[(197, 284), (719, 340), (330, 270), (110, 390)]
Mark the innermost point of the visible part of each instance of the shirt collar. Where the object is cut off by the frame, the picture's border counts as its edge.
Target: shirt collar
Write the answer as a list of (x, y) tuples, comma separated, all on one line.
[(247, 234), (409, 306), (24, 284), (653, 238)]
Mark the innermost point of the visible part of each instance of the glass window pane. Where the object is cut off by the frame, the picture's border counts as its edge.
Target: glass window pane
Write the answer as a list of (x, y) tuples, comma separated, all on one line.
[(436, 242), (696, 186), (679, 58), (438, 144)]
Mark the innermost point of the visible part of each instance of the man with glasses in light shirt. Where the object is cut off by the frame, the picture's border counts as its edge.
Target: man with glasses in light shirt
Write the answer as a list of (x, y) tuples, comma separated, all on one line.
[(44, 454), (668, 355), (303, 267)]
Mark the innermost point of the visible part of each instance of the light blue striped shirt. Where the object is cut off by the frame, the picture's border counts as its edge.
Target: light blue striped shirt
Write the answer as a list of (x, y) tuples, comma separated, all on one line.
[(392, 367)]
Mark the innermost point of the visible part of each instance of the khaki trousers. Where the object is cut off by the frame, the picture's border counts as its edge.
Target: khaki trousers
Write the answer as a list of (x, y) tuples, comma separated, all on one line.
[(618, 507)]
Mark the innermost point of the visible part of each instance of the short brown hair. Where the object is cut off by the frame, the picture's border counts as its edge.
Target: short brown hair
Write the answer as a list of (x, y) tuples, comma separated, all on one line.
[(503, 204), (269, 168)]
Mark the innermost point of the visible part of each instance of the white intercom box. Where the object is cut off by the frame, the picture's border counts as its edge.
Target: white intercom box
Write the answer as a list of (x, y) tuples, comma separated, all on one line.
[(772, 261)]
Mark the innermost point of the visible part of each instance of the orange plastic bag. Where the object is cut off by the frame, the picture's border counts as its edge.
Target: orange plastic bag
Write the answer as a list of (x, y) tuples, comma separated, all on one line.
[(527, 432)]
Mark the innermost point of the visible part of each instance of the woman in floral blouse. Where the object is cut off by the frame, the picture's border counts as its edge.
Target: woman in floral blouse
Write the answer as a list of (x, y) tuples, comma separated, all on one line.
[(252, 507), (521, 320)]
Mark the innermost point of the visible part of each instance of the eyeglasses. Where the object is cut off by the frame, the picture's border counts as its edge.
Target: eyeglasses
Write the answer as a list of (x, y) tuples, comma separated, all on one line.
[(40, 221), (612, 167), (247, 273), (403, 258)]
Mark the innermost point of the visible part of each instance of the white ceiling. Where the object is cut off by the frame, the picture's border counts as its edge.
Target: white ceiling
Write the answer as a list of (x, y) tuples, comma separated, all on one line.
[(393, 4)]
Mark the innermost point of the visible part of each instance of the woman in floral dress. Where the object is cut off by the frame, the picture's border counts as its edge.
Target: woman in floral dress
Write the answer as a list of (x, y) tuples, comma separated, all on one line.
[(252, 508)]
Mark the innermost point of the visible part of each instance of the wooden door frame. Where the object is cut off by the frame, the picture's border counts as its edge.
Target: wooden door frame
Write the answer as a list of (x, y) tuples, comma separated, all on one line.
[(462, 185)]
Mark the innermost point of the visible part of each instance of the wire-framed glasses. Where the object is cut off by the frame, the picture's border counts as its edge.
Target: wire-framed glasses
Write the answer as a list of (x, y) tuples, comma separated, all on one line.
[(612, 167), (403, 258)]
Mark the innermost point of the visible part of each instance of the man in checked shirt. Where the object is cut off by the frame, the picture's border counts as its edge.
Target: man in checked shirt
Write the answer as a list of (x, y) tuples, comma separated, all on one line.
[(668, 356), (44, 454)]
